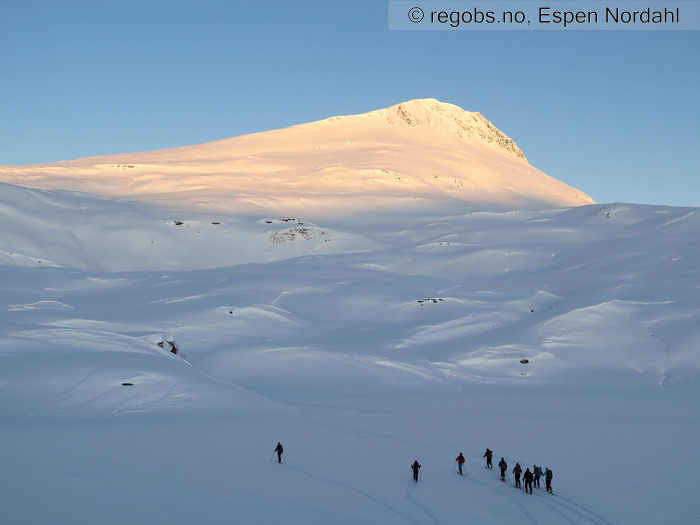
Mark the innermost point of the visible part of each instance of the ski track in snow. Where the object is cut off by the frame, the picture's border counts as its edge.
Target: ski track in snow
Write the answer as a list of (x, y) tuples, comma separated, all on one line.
[(421, 507), (356, 491), (563, 514), (527, 514), (366, 433), (578, 510), (568, 510), (515, 500)]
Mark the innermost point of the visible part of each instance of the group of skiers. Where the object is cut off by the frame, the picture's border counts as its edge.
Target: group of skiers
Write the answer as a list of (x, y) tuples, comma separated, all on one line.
[(531, 477)]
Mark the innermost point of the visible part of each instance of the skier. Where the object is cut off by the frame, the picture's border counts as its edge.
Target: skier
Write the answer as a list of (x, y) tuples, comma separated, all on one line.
[(517, 471), (415, 468), (529, 478), (460, 461), (548, 480), (503, 466), (488, 456), (537, 471), (279, 449)]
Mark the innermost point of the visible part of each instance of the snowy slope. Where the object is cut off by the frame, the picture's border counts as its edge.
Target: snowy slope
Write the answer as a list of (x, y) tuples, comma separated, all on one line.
[(565, 337), (418, 153), (400, 336)]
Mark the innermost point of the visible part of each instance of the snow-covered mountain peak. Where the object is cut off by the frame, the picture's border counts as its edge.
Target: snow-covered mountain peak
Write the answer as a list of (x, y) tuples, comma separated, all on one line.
[(419, 153), (432, 113)]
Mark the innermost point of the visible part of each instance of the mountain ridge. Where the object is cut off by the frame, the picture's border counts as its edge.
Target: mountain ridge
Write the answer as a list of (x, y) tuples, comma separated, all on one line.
[(451, 118), (422, 152)]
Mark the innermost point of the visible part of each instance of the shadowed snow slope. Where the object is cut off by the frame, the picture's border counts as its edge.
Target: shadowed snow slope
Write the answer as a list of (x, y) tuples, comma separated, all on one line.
[(413, 154)]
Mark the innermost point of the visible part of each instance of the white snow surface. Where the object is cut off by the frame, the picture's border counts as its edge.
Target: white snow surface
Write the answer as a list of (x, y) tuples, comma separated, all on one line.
[(414, 154), (566, 337)]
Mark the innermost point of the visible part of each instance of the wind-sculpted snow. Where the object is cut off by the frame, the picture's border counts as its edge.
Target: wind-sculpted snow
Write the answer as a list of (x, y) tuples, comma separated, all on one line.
[(596, 288), (565, 338)]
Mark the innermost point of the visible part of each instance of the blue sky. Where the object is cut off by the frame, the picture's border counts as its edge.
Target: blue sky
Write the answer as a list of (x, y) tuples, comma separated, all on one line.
[(613, 113)]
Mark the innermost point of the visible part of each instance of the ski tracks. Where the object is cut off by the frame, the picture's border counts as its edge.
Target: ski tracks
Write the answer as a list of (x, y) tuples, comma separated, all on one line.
[(361, 493), (566, 509), (572, 512), (421, 507), (514, 499), (527, 514)]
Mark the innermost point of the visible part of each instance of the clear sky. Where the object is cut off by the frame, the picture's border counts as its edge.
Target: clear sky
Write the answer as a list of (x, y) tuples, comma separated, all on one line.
[(613, 113)]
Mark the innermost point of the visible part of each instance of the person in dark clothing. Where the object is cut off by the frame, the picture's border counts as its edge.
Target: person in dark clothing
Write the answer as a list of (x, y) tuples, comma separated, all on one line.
[(489, 457), (415, 468), (460, 461), (279, 449), (517, 471), (503, 466), (529, 477), (537, 471), (548, 480)]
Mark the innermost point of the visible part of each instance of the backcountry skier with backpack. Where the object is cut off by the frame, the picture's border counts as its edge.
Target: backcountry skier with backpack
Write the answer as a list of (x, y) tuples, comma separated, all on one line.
[(460, 461), (537, 471), (548, 479), (529, 478), (503, 466), (279, 449), (517, 471), (489, 457), (415, 468)]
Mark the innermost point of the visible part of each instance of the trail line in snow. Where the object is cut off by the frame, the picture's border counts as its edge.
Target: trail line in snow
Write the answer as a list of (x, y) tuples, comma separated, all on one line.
[(355, 490), (570, 511), (423, 508), (687, 215), (553, 509), (364, 433), (514, 499), (526, 512), (582, 512)]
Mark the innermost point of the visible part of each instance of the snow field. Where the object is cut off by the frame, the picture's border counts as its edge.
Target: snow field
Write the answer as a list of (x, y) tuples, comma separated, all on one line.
[(392, 337)]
